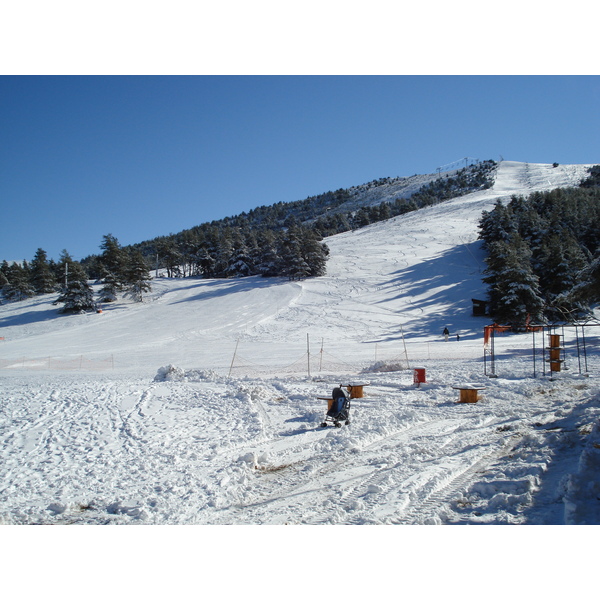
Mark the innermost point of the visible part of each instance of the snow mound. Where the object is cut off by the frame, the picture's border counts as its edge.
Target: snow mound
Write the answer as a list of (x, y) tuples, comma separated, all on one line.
[(174, 373), (382, 366)]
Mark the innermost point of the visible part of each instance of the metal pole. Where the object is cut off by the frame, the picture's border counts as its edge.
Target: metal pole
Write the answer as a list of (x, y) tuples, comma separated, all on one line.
[(233, 359), (492, 338), (308, 353), (543, 351), (321, 357), (584, 349), (533, 346), (564, 347), (578, 352), (405, 350)]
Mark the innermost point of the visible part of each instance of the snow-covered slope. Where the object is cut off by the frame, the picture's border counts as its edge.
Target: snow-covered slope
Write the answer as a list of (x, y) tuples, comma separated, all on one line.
[(95, 429)]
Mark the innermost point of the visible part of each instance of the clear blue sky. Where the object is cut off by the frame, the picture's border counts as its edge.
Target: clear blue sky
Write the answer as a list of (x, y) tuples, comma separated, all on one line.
[(143, 156)]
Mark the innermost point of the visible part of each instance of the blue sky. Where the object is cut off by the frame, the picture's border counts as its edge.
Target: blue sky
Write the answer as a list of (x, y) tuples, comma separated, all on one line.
[(142, 156)]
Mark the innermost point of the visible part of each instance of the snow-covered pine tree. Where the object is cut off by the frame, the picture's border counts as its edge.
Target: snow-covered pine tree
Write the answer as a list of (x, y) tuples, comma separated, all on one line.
[(240, 262), (293, 263), (514, 287), (206, 263), (78, 297), (113, 259), (315, 254), (137, 277), (587, 290), (43, 279), (110, 289), (266, 255), (18, 287), (3, 283), (69, 270), (223, 252), (170, 256), (559, 264), (497, 224)]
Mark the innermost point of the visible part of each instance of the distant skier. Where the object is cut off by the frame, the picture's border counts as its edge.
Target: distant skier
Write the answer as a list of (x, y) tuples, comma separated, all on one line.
[(446, 333)]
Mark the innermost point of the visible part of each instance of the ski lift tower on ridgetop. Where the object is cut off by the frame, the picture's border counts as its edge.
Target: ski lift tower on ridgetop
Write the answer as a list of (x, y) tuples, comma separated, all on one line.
[(457, 164)]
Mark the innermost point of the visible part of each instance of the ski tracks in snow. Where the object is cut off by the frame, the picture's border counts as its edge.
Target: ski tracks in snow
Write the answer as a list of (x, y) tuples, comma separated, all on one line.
[(402, 477)]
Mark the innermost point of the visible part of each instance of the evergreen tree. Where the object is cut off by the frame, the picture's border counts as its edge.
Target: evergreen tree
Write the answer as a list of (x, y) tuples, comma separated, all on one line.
[(206, 263), (223, 253), (69, 270), (361, 218), (4, 271), (137, 277), (78, 297), (18, 287), (43, 279), (497, 225), (3, 283), (314, 253), (240, 261), (293, 263), (170, 257), (266, 254), (113, 259), (587, 290), (110, 289), (514, 293), (560, 264)]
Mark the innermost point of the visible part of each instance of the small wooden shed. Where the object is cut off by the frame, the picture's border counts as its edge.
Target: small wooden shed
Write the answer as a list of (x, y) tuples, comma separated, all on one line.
[(479, 307)]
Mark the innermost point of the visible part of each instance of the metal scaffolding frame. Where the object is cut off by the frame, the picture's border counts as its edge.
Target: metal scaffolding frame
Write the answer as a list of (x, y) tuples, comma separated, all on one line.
[(549, 353)]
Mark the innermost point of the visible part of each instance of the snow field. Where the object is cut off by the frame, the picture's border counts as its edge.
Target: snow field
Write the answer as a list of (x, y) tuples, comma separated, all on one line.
[(164, 436), (196, 448)]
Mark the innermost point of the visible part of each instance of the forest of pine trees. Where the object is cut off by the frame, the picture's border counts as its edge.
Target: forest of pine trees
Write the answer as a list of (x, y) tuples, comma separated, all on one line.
[(120, 270), (282, 240), (543, 251), (286, 239), (543, 254)]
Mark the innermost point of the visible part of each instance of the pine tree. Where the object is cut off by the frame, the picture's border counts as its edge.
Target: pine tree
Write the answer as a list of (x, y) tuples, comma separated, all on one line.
[(514, 293), (18, 287), (137, 277), (113, 259), (223, 253), (587, 291), (560, 262), (43, 279), (3, 283), (240, 261), (69, 270), (110, 289), (293, 264), (314, 253), (170, 257), (5, 267), (266, 255), (206, 263), (78, 297), (498, 224)]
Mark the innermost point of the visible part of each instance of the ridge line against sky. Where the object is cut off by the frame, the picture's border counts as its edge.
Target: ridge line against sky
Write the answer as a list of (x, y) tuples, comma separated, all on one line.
[(143, 156)]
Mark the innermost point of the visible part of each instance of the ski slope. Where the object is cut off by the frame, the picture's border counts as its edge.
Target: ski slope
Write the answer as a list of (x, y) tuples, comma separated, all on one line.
[(202, 404)]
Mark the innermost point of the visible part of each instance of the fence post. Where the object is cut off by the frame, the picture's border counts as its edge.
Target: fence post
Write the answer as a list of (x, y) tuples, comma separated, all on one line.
[(233, 359)]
